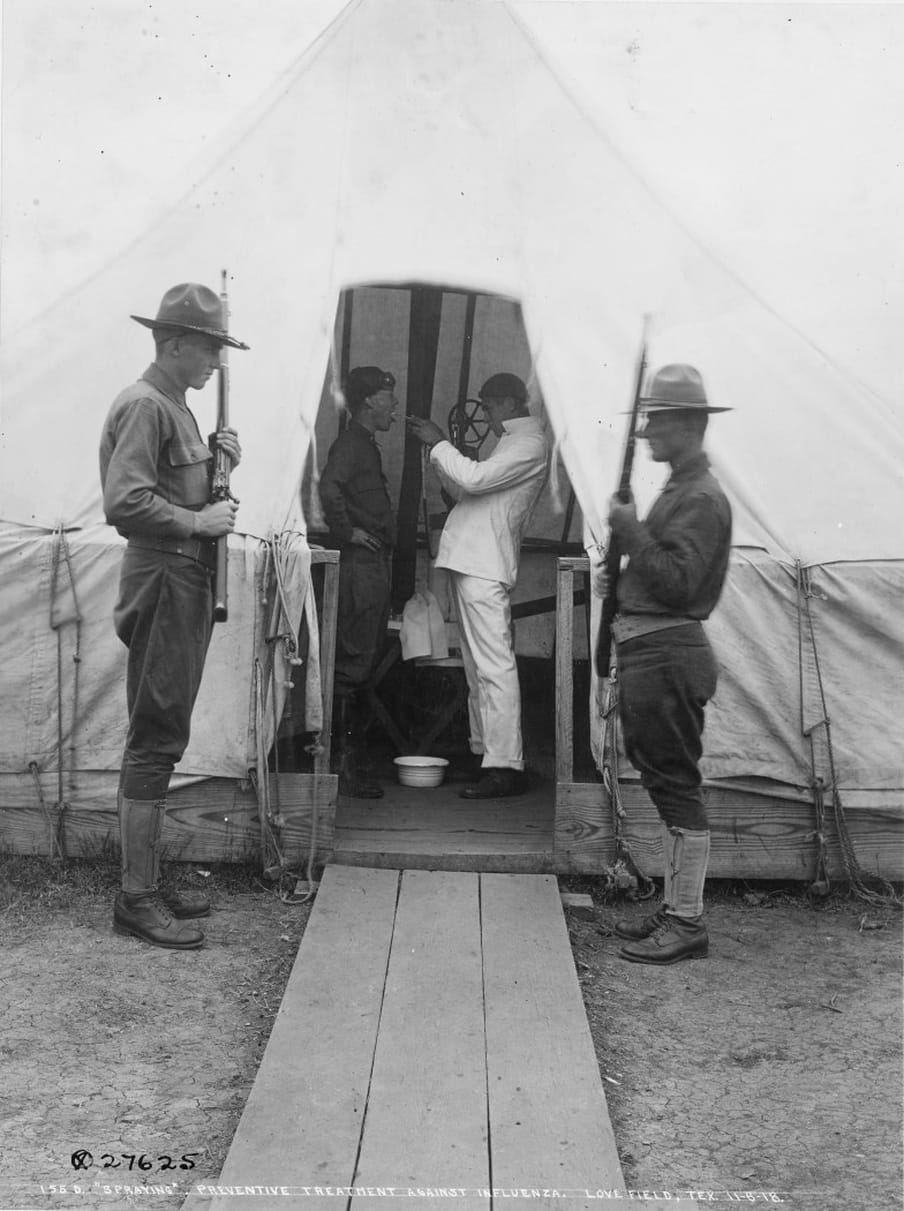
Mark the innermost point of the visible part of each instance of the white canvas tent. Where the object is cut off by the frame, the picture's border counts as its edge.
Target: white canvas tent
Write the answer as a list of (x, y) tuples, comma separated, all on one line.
[(449, 143)]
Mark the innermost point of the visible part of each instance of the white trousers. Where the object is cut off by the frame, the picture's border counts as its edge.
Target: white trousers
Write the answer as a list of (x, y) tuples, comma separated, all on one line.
[(488, 654)]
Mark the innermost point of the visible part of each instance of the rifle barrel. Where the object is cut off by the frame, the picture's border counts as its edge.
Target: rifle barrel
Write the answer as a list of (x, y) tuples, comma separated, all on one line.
[(612, 561), (221, 472)]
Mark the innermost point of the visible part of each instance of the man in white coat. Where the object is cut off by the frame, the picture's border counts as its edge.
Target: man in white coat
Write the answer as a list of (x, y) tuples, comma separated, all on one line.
[(481, 546)]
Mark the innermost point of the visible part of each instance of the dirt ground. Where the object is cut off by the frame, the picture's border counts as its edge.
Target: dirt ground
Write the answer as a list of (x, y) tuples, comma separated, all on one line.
[(772, 1068)]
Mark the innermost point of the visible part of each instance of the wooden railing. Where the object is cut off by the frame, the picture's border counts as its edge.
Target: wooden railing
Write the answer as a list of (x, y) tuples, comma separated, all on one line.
[(569, 567)]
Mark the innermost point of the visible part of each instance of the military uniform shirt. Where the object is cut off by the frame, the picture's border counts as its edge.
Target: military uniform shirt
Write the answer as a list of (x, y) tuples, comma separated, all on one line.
[(154, 465), (353, 489), (679, 559)]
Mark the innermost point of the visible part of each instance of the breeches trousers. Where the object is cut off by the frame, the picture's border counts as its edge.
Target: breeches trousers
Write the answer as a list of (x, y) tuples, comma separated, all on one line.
[(164, 616), (665, 680)]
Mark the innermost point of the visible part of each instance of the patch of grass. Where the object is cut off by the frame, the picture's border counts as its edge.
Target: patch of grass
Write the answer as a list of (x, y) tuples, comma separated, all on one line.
[(54, 883)]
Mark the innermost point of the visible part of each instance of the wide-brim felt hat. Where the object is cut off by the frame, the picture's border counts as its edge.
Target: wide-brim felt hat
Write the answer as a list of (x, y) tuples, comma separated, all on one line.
[(190, 307), (677, 388)]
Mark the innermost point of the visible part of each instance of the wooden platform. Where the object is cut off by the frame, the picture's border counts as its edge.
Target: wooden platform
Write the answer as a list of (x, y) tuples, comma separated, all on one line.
[(763, 832), (435, 829), (210, 820), (558, 827), (432, 1038)]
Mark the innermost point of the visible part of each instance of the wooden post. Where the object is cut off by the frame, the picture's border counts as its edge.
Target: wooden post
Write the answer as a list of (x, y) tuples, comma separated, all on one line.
[(423, 343), (330, 562), (564, 670)]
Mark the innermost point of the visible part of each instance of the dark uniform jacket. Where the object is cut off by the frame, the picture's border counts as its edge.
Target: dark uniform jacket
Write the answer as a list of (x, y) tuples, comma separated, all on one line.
[(353, 489), (155, 467), (679, 557)]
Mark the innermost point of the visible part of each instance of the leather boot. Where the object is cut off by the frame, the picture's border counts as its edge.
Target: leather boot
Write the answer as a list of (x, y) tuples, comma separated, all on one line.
[(145, 916), (680, 933), (185, 908), (643, 927), (352, 782), (138, 910), (674, 940), (495, 782)]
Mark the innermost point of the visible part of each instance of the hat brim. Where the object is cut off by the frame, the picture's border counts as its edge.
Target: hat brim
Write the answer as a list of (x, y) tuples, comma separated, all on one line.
[(166, 326), (661, 406)]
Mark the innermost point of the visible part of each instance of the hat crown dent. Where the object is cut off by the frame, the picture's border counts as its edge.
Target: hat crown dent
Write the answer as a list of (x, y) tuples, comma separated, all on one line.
[(677, 386), (192, 307)]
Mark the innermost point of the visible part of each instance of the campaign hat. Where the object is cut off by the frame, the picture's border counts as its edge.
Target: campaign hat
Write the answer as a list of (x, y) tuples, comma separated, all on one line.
[(677, 388), (504, 386), (190, 307)]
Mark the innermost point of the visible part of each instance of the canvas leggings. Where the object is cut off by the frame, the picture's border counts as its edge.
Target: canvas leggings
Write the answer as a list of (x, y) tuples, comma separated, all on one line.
[(164, 616), (665, 680)]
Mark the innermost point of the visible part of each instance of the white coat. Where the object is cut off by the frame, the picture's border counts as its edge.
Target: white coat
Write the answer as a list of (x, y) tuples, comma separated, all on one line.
[(495, 498), (480, 547)]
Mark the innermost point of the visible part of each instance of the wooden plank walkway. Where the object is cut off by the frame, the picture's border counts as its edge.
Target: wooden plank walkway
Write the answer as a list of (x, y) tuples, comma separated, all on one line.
[(431, 1047)]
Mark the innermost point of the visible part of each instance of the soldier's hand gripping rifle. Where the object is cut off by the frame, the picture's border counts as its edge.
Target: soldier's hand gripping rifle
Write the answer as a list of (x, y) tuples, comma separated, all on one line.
[(222, 467), (612, 561)]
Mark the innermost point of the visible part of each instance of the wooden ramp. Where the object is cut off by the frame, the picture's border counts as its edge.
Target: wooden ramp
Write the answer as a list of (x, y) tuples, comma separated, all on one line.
[(431, 1047)]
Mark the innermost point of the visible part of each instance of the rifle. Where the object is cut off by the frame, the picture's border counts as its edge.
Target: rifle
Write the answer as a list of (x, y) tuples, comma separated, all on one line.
[(219, 489), (613, 554)]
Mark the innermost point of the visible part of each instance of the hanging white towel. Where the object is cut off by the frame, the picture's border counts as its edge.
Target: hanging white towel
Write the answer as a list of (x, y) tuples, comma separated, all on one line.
[(423, 630)]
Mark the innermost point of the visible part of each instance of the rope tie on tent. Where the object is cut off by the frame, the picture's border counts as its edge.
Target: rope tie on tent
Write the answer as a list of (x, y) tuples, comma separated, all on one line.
[(281, 631), (54, 828), (868, 887), (821, 884), (291, 642), (271, 854), (625, 874), (58, 618)]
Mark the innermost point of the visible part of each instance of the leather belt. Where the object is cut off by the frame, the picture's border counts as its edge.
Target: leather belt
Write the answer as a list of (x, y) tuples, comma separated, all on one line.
[(202, 550), (626, 627)]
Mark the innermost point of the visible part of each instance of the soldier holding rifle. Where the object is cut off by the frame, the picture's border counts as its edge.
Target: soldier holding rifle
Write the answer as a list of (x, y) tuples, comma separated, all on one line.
[(666, 672), (156, 472)]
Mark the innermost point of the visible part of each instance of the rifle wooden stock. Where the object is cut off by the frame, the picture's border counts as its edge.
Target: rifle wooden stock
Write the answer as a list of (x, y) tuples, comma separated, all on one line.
[(222, 467), (612, 561)]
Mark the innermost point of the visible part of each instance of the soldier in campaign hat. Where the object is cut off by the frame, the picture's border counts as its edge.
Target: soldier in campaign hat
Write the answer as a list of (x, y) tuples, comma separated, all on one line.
[(677, 563), (156, 473), (361, 522)]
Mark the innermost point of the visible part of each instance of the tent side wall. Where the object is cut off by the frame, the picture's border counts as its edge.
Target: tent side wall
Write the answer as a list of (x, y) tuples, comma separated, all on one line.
[(64, 712)]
